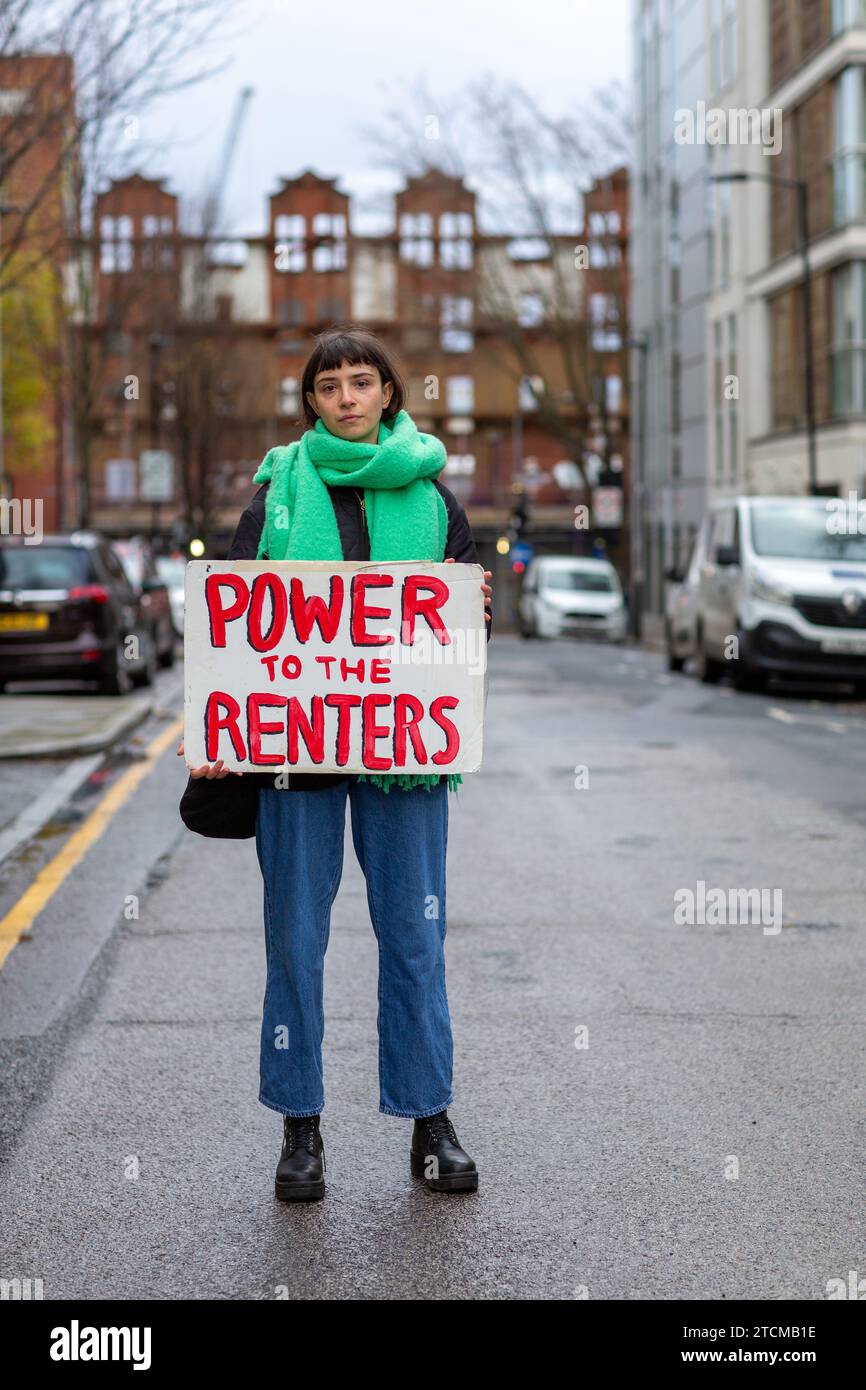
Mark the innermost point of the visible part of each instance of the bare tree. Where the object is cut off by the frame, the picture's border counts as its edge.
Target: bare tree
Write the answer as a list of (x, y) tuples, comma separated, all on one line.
[(119, 58), (530, 172), (83, 74)]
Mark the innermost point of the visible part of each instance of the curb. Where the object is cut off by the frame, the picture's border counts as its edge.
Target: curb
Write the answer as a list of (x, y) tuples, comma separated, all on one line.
[(88, 743)]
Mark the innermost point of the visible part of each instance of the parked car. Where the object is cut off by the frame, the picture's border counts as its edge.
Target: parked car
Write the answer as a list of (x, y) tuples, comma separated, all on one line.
[(66, 611), (172, 570), (773, 574), (680, 612), (568, 594), (137, 559)]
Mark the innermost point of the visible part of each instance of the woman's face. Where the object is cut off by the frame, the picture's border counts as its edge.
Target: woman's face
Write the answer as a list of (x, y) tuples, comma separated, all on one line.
[(350, 400)]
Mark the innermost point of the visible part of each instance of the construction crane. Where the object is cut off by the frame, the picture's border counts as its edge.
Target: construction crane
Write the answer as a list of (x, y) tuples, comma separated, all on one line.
[(212, 208)]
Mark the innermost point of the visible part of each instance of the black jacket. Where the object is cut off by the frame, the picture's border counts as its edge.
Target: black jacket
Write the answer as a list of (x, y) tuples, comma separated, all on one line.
[(459, 546)]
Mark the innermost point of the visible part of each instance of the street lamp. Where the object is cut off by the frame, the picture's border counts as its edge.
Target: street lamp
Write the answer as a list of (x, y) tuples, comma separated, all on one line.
[(809, 371), (636, 578)]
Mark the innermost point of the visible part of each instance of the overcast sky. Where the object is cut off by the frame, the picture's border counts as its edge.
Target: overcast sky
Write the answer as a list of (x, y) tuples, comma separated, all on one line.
[(320, 69)]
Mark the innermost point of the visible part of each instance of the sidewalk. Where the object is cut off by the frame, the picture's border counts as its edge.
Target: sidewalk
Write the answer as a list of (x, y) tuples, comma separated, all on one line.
[(40, 726), (653, 634)]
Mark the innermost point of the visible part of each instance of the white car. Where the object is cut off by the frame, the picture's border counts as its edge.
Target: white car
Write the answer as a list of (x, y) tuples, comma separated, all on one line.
[(569, 595), (172, 569), (781, 590), (681, 592)]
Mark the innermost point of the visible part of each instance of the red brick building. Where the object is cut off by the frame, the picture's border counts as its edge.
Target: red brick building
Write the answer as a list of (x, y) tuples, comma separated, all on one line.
[(200, 348)]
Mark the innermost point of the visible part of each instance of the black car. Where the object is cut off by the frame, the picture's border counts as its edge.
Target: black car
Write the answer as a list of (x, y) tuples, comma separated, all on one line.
[(69, 612), (148, 584)]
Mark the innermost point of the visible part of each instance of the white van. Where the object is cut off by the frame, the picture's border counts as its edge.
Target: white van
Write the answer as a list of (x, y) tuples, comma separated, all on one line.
[(567, 594), (776, 574)]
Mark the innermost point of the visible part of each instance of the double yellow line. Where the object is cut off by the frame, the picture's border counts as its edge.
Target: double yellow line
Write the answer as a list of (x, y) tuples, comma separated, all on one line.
[(28, 907)]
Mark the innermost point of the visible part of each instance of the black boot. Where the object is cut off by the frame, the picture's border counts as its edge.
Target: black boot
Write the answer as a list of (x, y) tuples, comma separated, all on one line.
[(301, 1169), (436, 1152)]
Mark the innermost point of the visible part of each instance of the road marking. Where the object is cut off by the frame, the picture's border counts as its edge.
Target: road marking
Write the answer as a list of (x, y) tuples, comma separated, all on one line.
[(32, 819), (784, 716), (21, 917)]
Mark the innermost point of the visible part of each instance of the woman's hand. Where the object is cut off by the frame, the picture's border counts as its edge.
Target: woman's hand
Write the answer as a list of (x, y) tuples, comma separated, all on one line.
[(209, 770), (486, 589)]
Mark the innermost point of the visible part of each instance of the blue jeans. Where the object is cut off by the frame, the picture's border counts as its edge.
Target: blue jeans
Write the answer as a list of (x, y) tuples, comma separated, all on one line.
[(400, 839)]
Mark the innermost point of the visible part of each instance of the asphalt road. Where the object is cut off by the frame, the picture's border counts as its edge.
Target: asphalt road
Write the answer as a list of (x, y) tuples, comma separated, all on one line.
[(705, 1143)]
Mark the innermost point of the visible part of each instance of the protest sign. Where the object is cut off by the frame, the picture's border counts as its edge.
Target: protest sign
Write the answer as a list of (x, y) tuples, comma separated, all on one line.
[(334, 666)]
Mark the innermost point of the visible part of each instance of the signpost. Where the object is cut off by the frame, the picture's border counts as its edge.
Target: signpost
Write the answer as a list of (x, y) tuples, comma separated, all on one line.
[(156, 475), (334, 666), (155, 481), (607, 506)]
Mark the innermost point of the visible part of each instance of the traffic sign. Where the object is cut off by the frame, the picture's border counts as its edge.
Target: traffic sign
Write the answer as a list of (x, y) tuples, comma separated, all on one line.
[(156, 475)]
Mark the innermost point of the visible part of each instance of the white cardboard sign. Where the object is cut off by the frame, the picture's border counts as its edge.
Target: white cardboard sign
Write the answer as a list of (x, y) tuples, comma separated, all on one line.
[(336, 666)]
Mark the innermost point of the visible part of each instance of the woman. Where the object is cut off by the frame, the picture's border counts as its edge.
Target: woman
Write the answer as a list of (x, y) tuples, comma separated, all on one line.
[(362, 484)]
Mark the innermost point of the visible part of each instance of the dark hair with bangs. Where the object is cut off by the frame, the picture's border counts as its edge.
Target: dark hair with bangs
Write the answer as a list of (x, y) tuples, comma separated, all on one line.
[(356, 345)]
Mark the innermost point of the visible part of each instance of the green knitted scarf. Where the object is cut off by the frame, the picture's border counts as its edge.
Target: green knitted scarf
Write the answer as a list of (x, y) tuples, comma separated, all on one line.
[(406, 515)]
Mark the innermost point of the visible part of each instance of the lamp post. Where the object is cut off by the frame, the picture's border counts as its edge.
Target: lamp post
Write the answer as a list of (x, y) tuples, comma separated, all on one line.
[(638, 474), (808, 361)]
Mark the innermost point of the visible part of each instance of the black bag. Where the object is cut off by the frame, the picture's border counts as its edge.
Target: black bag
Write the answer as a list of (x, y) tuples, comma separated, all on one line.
[(222, 808)]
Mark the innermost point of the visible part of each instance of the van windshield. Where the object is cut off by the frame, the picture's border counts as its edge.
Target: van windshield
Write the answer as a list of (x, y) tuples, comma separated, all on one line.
[(586, 581), (805, 531)]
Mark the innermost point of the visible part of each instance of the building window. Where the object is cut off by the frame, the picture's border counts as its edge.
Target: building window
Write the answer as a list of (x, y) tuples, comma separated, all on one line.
[(710, 214), (724, 196), (455, 333), (849, 339), (848, 14), (530, 309), (290, 312), (613, 394), (529, 391), (416, 238), (331, 253), (723, 43), (604, 314), (676, 423), (729, 42), (849, 145), (459, 466), (120, 480), (152, 228), (290, 248), (604, 247), (329, 309), (115, 252), (604, 223), (288, 396), (459, 395), (733, 404), (718, 400), (455, 240)]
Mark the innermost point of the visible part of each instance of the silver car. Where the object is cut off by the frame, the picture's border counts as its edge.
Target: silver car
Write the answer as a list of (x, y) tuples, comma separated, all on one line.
[(570, 595)]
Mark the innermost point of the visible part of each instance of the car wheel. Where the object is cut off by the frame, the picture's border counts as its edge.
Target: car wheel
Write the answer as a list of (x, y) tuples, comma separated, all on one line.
[(708, 669), (147, 674), (746, 678), (166, 658), (117, 680), (675, 663)]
